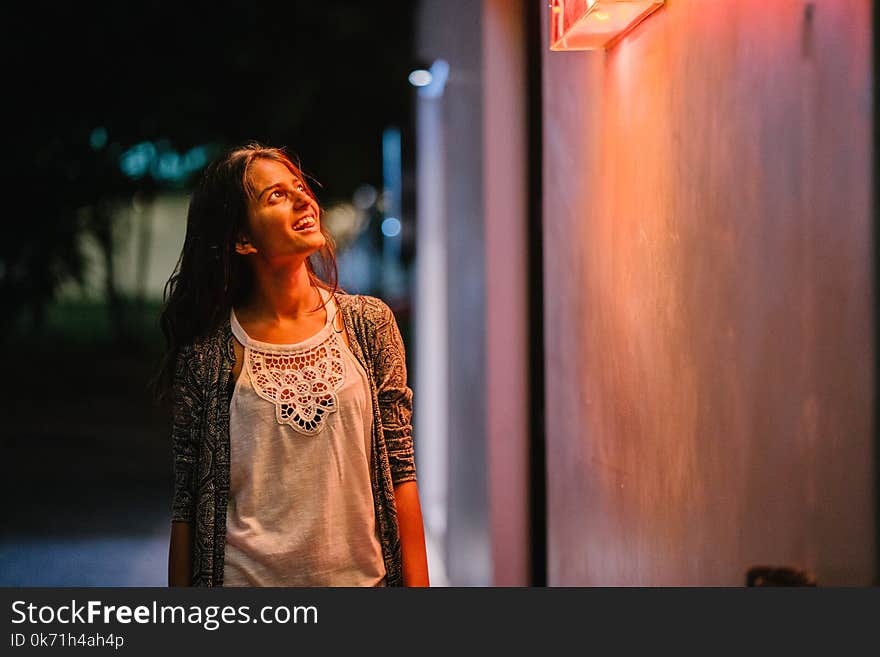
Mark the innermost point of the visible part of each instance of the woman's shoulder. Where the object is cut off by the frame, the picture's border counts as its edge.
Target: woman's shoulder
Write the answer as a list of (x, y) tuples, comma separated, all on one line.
[(204, 345), (371, 309)]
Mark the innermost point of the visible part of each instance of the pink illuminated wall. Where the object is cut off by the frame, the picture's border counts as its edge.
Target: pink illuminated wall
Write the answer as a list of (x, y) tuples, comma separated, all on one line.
[(505, 188), (708, 317)]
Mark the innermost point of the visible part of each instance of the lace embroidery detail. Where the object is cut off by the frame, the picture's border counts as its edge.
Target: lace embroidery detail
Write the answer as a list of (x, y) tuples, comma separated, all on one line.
[(301, 384)]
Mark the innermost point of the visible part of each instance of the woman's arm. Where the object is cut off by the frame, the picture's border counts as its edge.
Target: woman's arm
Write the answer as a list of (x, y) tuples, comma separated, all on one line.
[(180, 555), (395, 409), (412, 534)]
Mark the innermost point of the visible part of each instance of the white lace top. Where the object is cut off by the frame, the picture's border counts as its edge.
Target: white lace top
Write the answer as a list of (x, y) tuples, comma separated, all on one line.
[(301, 507)]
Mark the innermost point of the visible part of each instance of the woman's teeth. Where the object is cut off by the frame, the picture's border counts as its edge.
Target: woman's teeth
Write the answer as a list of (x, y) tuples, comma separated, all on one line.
[(305, 222)]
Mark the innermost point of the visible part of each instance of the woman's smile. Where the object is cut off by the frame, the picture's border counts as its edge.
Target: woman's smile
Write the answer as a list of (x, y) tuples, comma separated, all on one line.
[(307, 224)]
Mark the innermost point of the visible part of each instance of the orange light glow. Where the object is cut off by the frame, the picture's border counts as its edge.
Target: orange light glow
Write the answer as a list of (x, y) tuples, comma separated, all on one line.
[(595, 24)]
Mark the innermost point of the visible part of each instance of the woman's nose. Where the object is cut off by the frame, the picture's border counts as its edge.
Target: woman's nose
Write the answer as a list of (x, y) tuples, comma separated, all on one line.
[(301, 198)]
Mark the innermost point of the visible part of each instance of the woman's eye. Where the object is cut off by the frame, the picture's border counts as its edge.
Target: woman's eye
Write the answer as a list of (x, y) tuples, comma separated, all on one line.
[(277, 191), (300, 188)]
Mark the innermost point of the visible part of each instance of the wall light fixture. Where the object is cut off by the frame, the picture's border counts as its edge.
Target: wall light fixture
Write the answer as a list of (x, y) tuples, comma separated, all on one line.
[(595, 24)]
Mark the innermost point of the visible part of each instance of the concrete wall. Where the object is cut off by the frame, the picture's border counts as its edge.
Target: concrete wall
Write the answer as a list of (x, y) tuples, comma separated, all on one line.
[(709, 303), (505, 189)]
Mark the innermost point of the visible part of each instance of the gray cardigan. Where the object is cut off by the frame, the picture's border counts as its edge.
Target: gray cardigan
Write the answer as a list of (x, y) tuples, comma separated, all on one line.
[(202, 391)]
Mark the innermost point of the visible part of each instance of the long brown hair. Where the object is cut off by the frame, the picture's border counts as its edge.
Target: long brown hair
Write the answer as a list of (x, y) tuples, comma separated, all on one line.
[(210, 277)]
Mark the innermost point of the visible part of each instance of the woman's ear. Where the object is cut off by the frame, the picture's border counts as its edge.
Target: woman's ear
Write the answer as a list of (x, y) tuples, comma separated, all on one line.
[(243, 246)]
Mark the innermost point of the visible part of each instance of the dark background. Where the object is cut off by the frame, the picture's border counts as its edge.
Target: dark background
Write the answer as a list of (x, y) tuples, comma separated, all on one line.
[(86, 458)]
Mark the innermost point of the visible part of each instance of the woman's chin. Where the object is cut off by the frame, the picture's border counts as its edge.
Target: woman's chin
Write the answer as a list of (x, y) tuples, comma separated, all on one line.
[(314, 241)]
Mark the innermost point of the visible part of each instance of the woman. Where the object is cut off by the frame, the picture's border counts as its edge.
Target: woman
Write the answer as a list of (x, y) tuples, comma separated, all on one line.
[(291, 434)]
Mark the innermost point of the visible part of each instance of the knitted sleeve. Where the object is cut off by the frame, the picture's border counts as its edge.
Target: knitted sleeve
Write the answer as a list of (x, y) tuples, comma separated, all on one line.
[(394, 395), (187, 414)]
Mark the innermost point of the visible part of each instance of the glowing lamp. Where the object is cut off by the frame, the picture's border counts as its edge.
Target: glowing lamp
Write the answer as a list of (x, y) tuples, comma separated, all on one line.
[(595, 24)]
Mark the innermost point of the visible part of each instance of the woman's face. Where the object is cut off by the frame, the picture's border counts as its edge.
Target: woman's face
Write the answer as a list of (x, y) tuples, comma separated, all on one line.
[(283, 218)]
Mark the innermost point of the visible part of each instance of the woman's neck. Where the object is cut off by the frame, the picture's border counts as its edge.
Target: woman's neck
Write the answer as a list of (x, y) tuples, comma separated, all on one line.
[(282, 293)]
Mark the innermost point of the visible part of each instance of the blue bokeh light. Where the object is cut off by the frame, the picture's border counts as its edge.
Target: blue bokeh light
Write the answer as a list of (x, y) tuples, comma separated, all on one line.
[(136, 161), (98, 138), (391, 227), (162, 162)]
